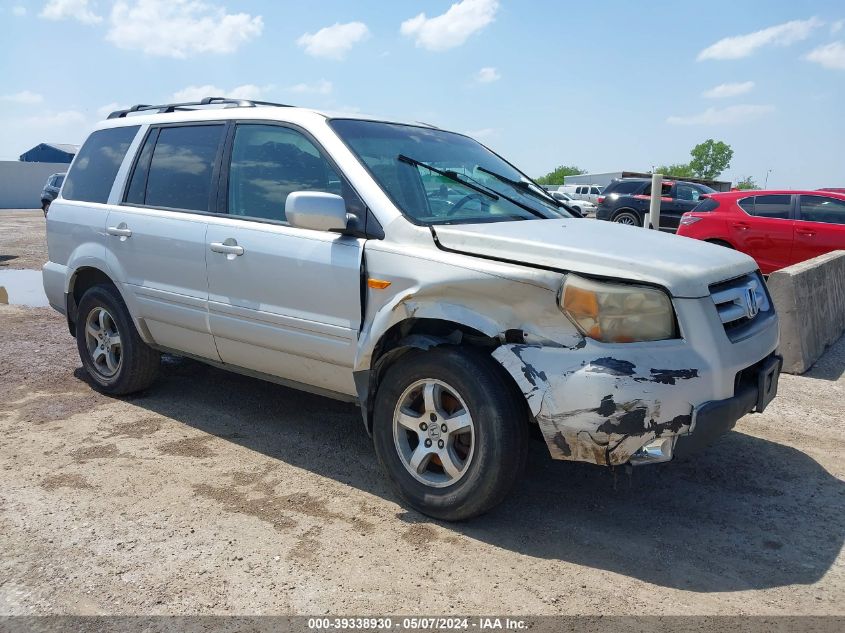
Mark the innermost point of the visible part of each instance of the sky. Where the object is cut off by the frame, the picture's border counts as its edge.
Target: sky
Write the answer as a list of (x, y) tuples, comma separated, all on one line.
[(603, 85)]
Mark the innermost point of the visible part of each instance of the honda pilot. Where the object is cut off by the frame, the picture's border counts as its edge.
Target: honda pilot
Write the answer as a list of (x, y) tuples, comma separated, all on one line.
[(412, 271)]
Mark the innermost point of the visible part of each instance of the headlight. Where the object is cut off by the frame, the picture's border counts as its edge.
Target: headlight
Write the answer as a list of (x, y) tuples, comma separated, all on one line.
[(617, 313)]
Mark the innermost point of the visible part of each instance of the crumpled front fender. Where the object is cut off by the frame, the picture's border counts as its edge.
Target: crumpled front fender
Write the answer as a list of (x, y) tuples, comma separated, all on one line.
[(600, 409)]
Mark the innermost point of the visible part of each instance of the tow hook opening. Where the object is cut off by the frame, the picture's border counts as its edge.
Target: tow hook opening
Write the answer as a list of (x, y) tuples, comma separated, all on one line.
[(657, 451)]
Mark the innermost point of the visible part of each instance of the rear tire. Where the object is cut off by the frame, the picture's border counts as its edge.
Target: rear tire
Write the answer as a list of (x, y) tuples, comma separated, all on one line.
[(628, 218), (45, 206), (449, 431), (112, 353)]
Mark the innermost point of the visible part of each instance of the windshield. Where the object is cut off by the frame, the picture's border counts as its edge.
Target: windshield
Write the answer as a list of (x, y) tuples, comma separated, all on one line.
[(438, 177)]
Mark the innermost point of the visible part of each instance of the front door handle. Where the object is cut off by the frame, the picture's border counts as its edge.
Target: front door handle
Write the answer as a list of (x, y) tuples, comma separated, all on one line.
[(228, 247), (121, 230), (805, 232)]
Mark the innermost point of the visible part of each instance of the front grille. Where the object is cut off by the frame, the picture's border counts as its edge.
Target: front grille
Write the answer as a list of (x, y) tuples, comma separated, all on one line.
[(742, 303)]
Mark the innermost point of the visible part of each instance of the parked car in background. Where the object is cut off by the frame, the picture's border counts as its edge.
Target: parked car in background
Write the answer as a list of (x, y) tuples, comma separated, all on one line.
[(777, 228), (51, 190), (303, 248), (589, 193), (627, 201), (584, 207)]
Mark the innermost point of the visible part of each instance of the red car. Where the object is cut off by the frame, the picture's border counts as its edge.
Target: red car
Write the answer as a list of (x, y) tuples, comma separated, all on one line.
[(777, 228)]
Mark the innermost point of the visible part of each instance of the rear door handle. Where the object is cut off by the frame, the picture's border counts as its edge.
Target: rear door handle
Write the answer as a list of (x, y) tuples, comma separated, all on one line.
[(229, 247), (120, 231), (805, 232), (742, 226)]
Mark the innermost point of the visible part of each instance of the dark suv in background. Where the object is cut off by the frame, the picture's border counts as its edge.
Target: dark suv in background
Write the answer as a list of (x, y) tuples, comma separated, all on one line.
[(626, 201), (51, 191)]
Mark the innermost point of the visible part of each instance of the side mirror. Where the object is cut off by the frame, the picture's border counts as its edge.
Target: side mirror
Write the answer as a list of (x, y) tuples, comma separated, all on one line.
[(316, 210)]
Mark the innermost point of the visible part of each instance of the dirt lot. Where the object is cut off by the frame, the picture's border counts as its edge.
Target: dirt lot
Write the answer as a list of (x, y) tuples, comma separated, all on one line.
[(215, 493), (22, 239)]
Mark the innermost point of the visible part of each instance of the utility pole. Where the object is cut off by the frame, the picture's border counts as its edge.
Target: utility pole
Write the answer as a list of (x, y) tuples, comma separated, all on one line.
[(766, 181), (653, 218)]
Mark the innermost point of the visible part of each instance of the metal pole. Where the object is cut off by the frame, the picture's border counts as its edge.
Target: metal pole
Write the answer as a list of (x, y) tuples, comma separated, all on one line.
[(653, 217)]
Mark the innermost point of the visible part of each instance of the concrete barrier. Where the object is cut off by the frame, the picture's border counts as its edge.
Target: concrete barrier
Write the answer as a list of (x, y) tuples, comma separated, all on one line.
[(810, 301)]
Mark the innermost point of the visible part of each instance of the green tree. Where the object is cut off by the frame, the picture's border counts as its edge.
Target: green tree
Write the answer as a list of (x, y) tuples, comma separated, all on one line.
[(555, 177), (678, 170), (746, 183), (710, 158)]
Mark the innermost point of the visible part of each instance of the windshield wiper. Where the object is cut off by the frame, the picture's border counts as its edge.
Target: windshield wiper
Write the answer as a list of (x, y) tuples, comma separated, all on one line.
[(451, 175), (521, 185), (521, 205)]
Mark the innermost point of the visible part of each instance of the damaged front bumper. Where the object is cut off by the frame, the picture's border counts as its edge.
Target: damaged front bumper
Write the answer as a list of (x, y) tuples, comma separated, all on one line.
[(667, 400)]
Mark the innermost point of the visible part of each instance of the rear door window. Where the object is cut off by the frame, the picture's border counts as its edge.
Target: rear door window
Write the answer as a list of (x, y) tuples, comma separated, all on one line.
[(822, 209), (181, 165), (769, 206), (93, 172)]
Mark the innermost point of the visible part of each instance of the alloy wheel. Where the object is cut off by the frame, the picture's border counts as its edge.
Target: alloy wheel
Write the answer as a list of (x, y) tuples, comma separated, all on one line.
[(102, 339), (434, 433)]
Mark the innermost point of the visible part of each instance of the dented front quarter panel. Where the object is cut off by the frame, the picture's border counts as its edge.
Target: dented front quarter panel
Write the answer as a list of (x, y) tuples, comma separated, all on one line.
[(600, 405)]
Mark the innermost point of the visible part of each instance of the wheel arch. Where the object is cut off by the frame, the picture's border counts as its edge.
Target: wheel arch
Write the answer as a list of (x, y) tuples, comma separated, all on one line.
[(83, 278), (411, 336), (720, 242), (621, 210)]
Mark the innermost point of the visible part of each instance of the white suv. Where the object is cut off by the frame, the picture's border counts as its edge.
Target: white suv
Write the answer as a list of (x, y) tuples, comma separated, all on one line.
[(410, 270)]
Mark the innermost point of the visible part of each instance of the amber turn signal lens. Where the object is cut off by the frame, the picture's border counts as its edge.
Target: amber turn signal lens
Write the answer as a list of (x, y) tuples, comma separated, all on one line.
[(377, 284), (581, 302)]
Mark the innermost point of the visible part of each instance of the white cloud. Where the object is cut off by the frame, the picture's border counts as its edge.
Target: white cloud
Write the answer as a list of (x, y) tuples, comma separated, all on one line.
[(334, 42), (195, 93), (55, 119), (24, 96), (321, 87), (740, 46), (180, 28), (70, 9), (830, 56), (104, 111), (723, 116), (723, 91), (835, 27), (19, 11), (451, 28), (487, 75)]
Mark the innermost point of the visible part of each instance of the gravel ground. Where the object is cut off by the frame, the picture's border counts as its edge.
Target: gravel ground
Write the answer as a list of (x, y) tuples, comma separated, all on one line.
[(213, 493), (22, 239)]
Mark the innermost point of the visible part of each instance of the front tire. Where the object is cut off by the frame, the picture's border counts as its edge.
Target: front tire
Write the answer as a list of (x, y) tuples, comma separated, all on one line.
[(450, 431), (112, 353), (628, 218)]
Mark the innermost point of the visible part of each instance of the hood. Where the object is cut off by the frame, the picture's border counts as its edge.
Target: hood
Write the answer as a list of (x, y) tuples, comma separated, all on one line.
[(684, 266)]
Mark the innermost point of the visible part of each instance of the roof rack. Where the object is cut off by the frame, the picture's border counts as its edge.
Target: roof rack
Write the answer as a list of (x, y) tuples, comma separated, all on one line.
[(193, 105)]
